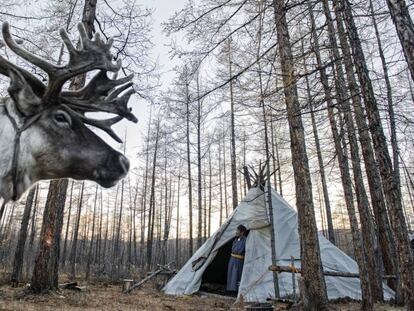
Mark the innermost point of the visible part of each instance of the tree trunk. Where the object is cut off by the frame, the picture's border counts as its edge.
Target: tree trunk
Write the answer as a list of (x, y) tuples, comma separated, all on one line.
[(391, 114), (89, 260), (210, 187), (151, 214), (32, 230), (220, 183), (104, 251), (267, 188), (167, 191), (244, 163), (343, 163), (405, 30), (73, 253), (190, 182), (144, 190), (199, 182), (233, 133), (391, 187), (326, 199), (367, 226), (134, 225), (45, 273), (131, 225), (177, 235), (272, 148), (205, 213), (374, 180), (279, 171), (111, 243), (314, 282), (67, 226), (99, 239), (226, 205), (21, 242), (117, 259)]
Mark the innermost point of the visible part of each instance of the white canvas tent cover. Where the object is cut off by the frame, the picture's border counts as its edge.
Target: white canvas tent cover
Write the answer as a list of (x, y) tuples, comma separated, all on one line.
[(256, 284)]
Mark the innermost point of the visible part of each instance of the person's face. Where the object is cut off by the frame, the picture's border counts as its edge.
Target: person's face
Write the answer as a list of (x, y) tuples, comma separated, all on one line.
[(238, 233)]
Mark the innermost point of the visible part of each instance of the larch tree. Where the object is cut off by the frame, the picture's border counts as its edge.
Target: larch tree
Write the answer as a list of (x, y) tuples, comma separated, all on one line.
[(18, 256), (374, 181), (391, 186), (405, 29), (313, 281)]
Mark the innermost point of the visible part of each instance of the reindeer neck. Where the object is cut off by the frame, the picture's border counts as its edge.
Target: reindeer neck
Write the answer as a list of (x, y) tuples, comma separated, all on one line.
[(7, 141)]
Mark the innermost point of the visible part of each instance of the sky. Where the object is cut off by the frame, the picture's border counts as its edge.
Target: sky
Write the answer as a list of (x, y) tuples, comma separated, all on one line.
[(162, 10)]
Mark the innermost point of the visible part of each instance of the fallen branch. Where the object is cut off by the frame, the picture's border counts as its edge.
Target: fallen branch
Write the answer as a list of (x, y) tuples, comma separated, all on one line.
[(68, 285), (72, 286), (161, 270)]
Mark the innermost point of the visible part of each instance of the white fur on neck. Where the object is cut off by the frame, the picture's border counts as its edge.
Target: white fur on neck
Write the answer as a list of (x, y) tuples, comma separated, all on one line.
[(25, 160)]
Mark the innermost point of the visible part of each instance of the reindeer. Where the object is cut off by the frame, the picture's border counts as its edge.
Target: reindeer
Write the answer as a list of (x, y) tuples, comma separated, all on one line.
[(43, 127)]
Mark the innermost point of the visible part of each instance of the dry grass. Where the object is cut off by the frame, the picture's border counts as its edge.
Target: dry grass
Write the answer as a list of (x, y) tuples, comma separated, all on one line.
[(109, 297), (105, 297)]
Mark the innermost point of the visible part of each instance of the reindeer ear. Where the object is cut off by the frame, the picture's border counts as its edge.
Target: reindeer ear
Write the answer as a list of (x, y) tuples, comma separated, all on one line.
[(27, 102)]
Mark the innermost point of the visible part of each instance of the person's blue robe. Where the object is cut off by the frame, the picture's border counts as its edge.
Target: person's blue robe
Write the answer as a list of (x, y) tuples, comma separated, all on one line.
[(235, 267)]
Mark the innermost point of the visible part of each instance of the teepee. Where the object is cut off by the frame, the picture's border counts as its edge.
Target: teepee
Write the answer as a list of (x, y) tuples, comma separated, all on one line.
[(209, 262)]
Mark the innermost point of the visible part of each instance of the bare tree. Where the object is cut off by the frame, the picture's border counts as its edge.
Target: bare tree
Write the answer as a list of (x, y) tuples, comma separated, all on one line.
[(314, 282), (391, 186), (405, 29), (45, 273), (18, 256)]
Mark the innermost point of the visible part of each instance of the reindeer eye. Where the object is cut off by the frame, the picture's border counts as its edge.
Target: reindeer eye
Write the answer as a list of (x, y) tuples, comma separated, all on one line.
[(61, 118)]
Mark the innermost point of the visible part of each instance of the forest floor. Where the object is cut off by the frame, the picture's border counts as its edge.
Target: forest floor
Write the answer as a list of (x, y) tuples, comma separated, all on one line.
[(103, 296)]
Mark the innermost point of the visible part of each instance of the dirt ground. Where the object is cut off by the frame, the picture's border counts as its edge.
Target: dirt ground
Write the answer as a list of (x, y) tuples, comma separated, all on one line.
[(105, 297), (109, 297)]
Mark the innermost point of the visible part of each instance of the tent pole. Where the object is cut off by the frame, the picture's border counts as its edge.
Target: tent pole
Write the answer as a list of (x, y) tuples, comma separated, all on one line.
[(269, 191), (272, 225)]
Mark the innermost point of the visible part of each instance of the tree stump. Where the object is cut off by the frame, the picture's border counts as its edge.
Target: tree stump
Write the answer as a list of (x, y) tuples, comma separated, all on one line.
[(126, 284)]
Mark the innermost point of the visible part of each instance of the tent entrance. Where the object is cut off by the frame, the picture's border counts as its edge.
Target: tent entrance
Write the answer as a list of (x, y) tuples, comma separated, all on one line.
[(215, 276), (216, 272)]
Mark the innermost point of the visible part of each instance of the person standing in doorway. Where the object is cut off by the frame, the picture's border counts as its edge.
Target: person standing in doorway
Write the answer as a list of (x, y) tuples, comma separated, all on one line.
[(236, 262)]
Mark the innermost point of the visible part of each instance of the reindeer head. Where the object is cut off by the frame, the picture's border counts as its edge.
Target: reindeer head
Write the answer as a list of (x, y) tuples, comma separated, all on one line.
[(56, 143)]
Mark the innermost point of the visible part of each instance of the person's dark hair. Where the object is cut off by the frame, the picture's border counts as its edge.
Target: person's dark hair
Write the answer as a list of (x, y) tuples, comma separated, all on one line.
[(242, 229)]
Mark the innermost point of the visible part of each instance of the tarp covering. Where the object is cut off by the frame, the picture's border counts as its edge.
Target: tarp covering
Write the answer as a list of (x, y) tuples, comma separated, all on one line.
[(256, 284)]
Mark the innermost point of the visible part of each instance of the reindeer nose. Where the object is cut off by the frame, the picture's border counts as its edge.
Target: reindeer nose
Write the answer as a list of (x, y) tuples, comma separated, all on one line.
[(123, 163)]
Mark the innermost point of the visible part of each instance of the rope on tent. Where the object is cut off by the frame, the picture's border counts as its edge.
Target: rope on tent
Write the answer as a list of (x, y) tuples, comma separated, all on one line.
[(254, 199)]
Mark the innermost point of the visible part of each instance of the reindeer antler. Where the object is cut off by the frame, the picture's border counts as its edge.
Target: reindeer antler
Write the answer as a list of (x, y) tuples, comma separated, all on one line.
[(101, 94), (5, 66), (93, 54)]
